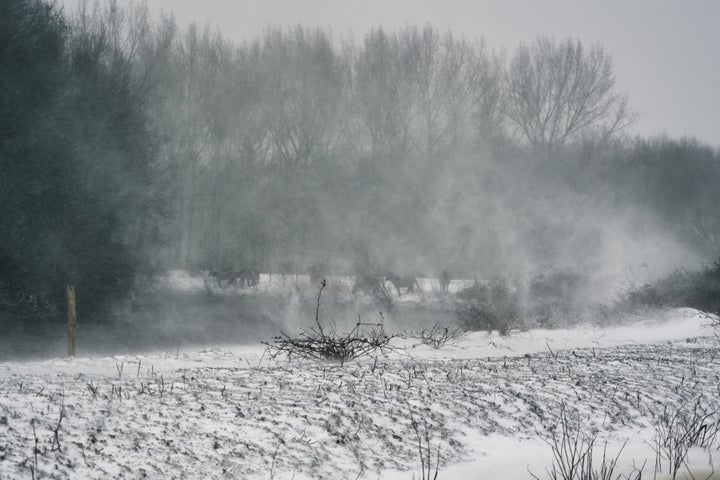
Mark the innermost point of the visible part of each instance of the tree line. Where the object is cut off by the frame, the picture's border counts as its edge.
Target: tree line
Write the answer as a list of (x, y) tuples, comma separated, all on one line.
[(132, 145)]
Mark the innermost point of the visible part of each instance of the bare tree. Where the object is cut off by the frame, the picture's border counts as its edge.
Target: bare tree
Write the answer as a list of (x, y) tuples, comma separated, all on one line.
[(487, 84), (557, 91), (381, 97), (420, 91), (453, 80), (305, 82)]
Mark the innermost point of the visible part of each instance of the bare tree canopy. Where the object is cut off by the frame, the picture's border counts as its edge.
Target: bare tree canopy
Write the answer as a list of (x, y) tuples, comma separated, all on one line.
[(557, 91)]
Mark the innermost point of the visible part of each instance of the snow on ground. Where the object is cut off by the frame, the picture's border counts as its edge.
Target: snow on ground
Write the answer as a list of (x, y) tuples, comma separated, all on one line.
[(184, 281), (481, 404)]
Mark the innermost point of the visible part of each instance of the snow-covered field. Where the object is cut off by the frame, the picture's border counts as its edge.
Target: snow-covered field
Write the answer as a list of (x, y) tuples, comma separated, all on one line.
[(481, 404)]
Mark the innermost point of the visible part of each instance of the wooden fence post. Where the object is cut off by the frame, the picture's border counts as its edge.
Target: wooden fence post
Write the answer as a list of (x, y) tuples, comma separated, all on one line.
[(72, 319)]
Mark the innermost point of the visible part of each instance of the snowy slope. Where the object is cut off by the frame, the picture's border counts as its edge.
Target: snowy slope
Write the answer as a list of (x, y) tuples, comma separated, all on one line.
[(233, 413)]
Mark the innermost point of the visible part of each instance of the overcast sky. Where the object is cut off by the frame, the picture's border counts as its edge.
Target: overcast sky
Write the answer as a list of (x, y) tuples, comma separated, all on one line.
[(667, 52)]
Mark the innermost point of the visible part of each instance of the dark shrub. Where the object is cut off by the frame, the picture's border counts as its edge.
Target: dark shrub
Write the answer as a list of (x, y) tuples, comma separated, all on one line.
[(705, 292), (495, 306), (556, 297), (700, 290), (682, 288), (645, 296)]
